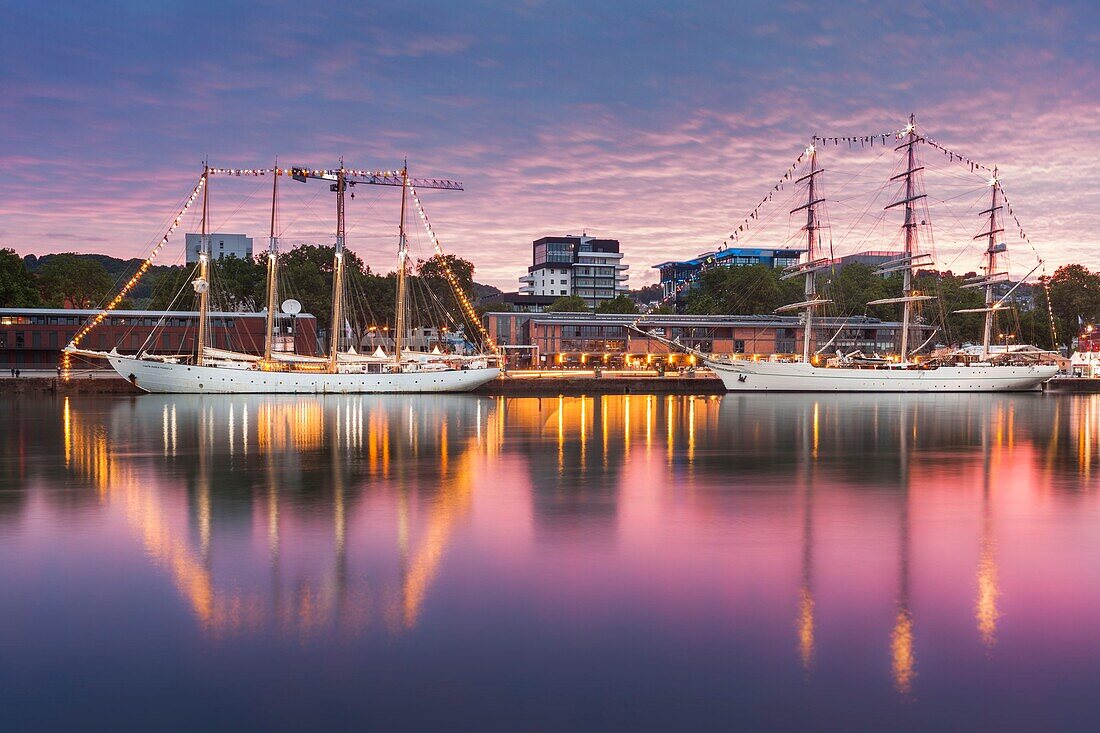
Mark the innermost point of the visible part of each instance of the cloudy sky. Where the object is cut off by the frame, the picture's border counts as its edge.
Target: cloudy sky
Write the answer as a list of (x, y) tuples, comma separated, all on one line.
[(660, 124)]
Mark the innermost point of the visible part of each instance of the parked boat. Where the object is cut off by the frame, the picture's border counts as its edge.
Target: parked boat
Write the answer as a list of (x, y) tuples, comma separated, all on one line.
[(211, 370), (857, 372)]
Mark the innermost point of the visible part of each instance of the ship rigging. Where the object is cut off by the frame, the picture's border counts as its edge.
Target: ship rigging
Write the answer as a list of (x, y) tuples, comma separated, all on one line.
[(341, 370)]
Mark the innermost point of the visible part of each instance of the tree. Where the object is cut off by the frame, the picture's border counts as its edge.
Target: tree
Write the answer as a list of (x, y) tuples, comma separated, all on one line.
[(239, 284), (1074, 298), (170, 283), (853, 286), (434, 271), (69, 280), (568, 304), (308, 271), (951, 296), (495, 307), (17, 284), (619, 304), (748, 290), (647, 293)]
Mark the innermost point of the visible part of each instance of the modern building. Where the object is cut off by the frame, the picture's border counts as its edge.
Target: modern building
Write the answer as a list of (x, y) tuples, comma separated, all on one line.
[(580, 339), (871, 259), (675, 273), (221, 246), (583, 266), (32, 338)]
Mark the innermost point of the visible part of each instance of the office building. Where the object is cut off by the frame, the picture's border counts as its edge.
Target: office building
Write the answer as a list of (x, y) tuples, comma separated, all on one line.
[(675, 273), (583, 266), (221, 246)]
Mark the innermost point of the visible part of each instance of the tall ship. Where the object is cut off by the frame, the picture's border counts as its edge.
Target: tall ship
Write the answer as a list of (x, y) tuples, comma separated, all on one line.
[(986, 370), (342, 370)]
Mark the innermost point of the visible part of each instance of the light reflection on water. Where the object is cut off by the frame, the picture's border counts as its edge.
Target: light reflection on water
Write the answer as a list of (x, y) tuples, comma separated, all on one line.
[(635, 561)]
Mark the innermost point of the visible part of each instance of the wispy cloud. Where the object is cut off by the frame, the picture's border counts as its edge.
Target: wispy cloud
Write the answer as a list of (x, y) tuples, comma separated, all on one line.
[(659, 127)]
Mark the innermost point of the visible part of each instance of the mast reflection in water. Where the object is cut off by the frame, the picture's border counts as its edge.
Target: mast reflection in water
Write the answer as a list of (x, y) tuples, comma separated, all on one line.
[(768, 561)]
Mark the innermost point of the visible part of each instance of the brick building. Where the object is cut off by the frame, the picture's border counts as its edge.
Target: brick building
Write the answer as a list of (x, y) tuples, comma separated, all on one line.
[(578, 339), (32, 338)]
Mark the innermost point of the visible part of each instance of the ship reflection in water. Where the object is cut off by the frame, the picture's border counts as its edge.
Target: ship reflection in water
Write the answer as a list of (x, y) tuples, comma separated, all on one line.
[(641, 562)]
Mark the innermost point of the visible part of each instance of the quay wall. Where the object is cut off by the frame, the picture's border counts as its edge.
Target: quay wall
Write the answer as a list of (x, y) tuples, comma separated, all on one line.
[(508, 386), (526, 386), (553, 386), (76, 385), (1072, 385)]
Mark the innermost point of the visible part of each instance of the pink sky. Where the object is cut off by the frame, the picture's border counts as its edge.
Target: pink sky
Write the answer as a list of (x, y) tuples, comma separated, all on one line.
[(662, 128)]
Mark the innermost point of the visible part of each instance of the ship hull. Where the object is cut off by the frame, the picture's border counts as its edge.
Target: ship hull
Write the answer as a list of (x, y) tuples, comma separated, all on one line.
[(168, 378), (747, 376)]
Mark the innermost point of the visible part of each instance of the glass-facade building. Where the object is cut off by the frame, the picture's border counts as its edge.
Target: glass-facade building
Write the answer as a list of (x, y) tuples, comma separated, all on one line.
[(675, 273)]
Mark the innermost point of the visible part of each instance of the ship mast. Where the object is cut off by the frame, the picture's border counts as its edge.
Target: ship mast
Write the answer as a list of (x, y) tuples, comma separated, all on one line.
[(337, 272), (990, 266), (272, 269), (910, 257), (813, 262), (202, 283), (811, 237), (402, 262), (910, 226)]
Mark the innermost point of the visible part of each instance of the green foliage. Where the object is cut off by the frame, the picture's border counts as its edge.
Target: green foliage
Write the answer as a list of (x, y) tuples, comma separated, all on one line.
[(851, 287), (69, 280), (950, 295), (167, 284), (495, 307), (647, 293), (307, 271), (619, 304), (432, 274), (568, 304), (239, 284), (1075, 299), (749, 290), (17, 284)]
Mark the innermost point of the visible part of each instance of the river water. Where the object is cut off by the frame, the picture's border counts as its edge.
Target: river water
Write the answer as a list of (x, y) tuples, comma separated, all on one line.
[(756, 562)]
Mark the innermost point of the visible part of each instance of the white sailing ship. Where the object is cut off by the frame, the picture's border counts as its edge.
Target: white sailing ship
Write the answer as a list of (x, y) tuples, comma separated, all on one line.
[(212, 370), (855, 372)]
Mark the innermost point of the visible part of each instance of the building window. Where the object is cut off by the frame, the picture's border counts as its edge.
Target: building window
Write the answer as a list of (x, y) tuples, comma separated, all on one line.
[(739, 346)]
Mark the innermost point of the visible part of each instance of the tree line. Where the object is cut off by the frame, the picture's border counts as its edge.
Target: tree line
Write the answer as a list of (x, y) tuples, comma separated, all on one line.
[(71, 280), (757, 290)]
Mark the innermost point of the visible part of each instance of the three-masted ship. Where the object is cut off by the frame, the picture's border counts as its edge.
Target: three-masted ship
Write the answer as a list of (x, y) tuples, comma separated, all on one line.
[(341, 371), (856, 372)]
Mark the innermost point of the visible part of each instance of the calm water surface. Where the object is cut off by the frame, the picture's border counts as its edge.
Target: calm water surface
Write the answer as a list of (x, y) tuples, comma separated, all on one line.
[(757, 562)]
